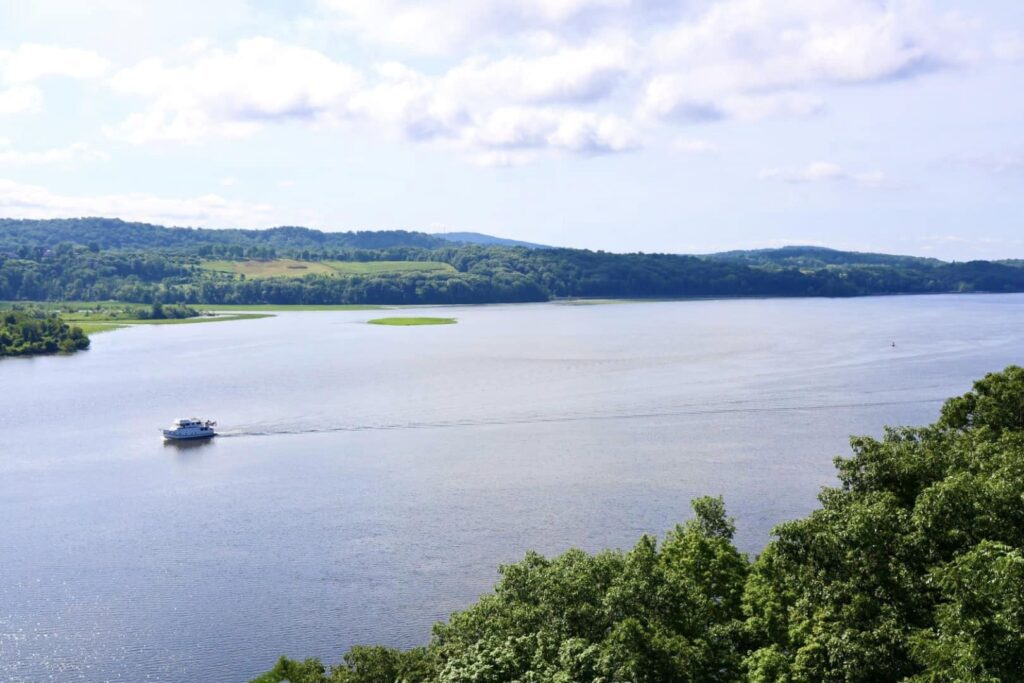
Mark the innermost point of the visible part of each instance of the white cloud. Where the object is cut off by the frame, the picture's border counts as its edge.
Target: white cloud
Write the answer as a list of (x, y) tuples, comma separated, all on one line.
[(749, 59), (584, 74), (480, 105), (31, 62), (693, 146), (574, 76), (706, 60), (530, 128), (58, 156), (32, 201), (233, 93), (448, 26), (22, 99), (824, 171)]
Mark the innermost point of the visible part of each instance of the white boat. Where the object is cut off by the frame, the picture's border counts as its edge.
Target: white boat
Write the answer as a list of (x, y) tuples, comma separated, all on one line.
[(190, 428)]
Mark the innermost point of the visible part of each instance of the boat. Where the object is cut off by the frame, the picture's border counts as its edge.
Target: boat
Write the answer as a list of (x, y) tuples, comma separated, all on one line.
[(190, 428)]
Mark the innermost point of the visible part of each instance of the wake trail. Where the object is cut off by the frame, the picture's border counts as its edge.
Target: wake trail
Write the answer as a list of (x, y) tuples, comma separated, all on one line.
[(555, 419)]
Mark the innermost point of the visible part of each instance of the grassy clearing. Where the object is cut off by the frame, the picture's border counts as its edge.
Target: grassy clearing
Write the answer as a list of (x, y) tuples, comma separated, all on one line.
[(379, 267), (406, 322), (282, 267), (256, 269)]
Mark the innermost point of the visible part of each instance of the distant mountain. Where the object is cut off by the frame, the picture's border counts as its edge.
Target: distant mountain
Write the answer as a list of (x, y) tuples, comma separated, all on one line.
[(486, 240), (113, 233), (817, 257)]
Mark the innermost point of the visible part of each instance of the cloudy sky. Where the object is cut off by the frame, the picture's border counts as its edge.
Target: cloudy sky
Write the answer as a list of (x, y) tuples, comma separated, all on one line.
[(652, 125)]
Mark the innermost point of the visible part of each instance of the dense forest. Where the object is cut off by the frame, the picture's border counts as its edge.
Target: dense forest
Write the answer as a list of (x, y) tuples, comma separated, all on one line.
[(911, 570), (100, 259), (25, 333)]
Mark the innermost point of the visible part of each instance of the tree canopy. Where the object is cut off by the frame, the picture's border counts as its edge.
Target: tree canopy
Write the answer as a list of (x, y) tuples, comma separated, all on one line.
[(911, 570), (98, 259), (24, 333)]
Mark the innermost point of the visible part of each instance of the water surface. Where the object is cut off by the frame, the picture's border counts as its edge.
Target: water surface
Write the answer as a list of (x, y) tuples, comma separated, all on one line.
[(371, 479)]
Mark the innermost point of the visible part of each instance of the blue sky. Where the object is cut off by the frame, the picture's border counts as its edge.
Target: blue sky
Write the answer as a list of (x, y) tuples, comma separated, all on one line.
[(623, 125)]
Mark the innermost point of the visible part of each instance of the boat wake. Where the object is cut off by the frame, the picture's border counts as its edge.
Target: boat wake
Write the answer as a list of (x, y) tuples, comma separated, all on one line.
[(565, 418)]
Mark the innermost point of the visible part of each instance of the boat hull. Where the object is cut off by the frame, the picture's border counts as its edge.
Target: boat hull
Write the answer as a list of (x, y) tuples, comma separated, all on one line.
[(171, 436)]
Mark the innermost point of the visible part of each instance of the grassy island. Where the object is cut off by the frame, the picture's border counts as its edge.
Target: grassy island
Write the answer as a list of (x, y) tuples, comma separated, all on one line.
[(406, 322), (911, 569)]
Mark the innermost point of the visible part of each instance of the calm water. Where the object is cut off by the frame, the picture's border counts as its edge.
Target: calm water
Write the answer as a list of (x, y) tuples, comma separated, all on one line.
[(371, 479)]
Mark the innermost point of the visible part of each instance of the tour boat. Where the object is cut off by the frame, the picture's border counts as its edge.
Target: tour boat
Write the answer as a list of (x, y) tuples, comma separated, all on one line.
[(191, 428)]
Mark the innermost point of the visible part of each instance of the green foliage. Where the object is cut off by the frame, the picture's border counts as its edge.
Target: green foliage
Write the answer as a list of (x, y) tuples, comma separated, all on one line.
[(291, 671), (100, 259), (997, 403), (864, 589), (25, 333), (978, 634), (361, 664), (911, 570)]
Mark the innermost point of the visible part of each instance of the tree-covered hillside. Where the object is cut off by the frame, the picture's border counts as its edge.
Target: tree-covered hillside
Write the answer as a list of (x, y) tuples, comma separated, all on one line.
[(112, 233), (818, 257), (487, 240), (911, 570), (96, 259)]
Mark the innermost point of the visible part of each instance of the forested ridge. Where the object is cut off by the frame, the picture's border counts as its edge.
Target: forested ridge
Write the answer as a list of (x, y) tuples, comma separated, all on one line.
[(99, 259), (911, 570)]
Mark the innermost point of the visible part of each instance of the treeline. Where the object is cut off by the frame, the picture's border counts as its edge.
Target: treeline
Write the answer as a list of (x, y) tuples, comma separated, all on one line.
[(25, 333), (911, 570), (818, 257), (18, 235), (100, 259)]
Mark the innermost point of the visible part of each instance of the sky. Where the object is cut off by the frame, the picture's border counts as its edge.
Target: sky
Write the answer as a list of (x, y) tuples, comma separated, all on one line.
[(625, 125)]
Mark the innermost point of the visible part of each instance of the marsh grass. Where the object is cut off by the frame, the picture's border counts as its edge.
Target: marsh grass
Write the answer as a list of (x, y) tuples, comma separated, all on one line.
[(408, 322)]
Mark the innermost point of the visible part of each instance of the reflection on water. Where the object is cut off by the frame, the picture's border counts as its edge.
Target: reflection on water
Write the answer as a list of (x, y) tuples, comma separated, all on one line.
[(368, 480), (187, 445)]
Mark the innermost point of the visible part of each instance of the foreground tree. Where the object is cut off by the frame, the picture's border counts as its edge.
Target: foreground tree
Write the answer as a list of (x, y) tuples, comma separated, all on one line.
[(911, 570)]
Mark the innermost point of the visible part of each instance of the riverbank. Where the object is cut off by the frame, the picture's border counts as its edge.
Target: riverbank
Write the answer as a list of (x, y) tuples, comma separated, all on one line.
[(103, 316)]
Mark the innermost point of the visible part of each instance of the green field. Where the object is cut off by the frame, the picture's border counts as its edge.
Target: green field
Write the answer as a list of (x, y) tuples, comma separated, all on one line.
[(292, 268), (379, 267), (405, 322)]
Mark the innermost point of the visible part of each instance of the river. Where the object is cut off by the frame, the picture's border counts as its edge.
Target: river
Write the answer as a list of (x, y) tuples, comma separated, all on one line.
[(370, 479)]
